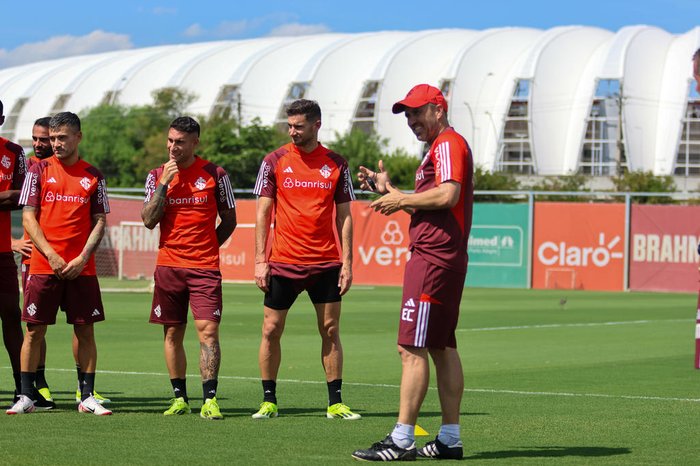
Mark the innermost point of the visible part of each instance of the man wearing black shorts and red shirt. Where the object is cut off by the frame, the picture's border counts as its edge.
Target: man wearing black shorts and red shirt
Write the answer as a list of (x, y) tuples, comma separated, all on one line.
[(303, 183), (65, 207), (12, 172), (441, 216), (184, 196)]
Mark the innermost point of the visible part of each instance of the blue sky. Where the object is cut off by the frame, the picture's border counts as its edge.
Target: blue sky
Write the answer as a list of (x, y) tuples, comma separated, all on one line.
[(87, 26)]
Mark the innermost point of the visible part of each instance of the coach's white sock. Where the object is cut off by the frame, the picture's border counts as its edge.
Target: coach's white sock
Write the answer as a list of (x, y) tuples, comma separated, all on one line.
[(449, 434), (403, 435)]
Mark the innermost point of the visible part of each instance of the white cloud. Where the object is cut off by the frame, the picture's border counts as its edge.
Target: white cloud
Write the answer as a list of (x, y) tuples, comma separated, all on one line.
[(64, 46), (297, 29), (194, 30), (164, 10), (232, 28)]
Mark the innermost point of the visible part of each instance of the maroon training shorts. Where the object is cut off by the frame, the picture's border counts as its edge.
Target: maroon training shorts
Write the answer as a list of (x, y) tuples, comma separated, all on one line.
[(430, 310), (9, 287), (177, 288), (79, 298)]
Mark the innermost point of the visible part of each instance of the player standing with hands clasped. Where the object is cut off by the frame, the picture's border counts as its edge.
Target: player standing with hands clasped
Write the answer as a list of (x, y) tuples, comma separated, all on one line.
[(441, 215), (185, 195)]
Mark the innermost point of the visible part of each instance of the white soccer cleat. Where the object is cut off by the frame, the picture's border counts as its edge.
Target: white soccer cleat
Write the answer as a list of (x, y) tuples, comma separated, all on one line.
[(91, 405), (23, 405)]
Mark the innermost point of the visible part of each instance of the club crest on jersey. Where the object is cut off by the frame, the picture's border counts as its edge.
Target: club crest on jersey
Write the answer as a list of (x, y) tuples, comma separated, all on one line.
[(6, 162), (325, 171), (85, 183), (200, 183)]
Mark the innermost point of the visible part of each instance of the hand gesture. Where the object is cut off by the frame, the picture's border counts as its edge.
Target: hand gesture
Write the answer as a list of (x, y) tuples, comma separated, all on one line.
[(375, 181)]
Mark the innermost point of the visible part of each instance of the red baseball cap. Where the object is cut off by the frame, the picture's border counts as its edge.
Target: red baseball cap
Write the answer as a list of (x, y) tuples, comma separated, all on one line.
[(420, 95)]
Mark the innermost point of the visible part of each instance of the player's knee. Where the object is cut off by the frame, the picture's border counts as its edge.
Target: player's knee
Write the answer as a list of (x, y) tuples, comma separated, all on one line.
[(330, 330), (272, 330)]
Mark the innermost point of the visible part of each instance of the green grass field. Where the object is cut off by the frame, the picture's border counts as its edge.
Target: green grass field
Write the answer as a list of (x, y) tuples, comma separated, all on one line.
[(604, 378)]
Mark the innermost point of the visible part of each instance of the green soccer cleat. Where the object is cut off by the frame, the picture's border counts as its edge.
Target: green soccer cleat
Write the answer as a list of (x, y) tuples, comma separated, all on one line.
[(178, 406), (266, 411), (46, 393), (210, 410), (341, 411), (99, 398)]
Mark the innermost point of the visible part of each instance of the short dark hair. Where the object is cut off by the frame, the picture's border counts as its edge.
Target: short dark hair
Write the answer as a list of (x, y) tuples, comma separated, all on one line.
[(185, 124), (65, 119), (1, 108), (43, 122), (696, 55), (309, 108)]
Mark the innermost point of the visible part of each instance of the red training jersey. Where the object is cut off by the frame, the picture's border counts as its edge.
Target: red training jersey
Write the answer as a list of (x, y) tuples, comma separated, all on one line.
[(305, 188), (188, 226), (441, 236), (65, 198), (12, 172), (31, 161)]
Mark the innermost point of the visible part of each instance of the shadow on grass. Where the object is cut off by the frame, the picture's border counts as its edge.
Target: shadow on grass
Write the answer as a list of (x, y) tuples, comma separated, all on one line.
[(423, 414), (549, 452)]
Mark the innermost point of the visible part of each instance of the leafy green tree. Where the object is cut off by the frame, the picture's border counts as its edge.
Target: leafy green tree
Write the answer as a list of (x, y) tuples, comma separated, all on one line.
[(568, 183), (645, 182), (485, 180)]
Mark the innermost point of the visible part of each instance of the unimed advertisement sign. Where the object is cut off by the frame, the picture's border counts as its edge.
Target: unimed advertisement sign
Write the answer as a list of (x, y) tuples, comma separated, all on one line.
[(578, 246), (498, 246), (663, 248)]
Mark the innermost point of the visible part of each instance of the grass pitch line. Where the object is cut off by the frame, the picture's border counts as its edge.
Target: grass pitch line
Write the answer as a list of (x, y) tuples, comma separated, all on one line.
[(395, 386), (585, 324)]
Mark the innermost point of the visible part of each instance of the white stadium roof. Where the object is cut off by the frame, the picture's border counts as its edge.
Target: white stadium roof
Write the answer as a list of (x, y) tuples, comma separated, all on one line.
[(549, 102)]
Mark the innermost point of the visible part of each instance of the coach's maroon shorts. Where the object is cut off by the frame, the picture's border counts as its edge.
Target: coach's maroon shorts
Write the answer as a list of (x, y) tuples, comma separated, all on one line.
[(177, 287), (79, 298), (430, 310), (9, 286)]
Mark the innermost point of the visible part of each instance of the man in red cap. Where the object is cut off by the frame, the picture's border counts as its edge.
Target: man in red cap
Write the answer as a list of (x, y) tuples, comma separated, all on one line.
[(441, 217)]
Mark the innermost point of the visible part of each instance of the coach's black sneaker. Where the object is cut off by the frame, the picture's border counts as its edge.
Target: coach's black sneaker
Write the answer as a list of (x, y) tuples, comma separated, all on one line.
[(42, 404), (438, 450), (386, 450)]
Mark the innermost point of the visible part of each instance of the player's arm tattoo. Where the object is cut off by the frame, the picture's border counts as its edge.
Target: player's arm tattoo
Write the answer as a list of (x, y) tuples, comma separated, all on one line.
[(209, 360), (227, 225), (154, 209), (99, 221)]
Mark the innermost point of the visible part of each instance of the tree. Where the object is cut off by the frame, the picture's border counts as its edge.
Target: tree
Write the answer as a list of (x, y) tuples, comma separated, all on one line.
[(567, 183), (645, 182), (485, 180)]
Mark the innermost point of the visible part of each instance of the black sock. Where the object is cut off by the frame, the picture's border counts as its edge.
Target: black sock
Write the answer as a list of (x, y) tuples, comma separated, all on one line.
[(18, 382), (27, 383), (334, 387), (81, 375), (87, 386), (269, 391), (209, 388), (41, 377), (180, 388)]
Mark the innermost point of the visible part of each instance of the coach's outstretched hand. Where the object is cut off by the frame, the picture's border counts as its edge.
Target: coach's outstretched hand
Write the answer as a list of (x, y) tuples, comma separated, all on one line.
[(375, 181)]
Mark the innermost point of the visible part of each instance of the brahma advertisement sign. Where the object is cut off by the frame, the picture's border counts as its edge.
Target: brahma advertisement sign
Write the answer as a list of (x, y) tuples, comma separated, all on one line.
[(578, 246), (663, 248)]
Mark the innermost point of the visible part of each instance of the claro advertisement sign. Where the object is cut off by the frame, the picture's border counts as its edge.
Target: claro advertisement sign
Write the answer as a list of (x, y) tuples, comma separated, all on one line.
[(578, 246)]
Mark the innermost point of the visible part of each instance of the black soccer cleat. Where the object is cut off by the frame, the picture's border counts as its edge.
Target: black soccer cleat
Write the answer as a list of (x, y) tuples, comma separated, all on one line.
[(386, 450), (439, 451)]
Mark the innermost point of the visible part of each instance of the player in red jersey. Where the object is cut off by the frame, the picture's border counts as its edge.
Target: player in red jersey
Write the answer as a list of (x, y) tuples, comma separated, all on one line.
[(12, 173), (441, 216), (65, 207), (304, 183), (184, 196)]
